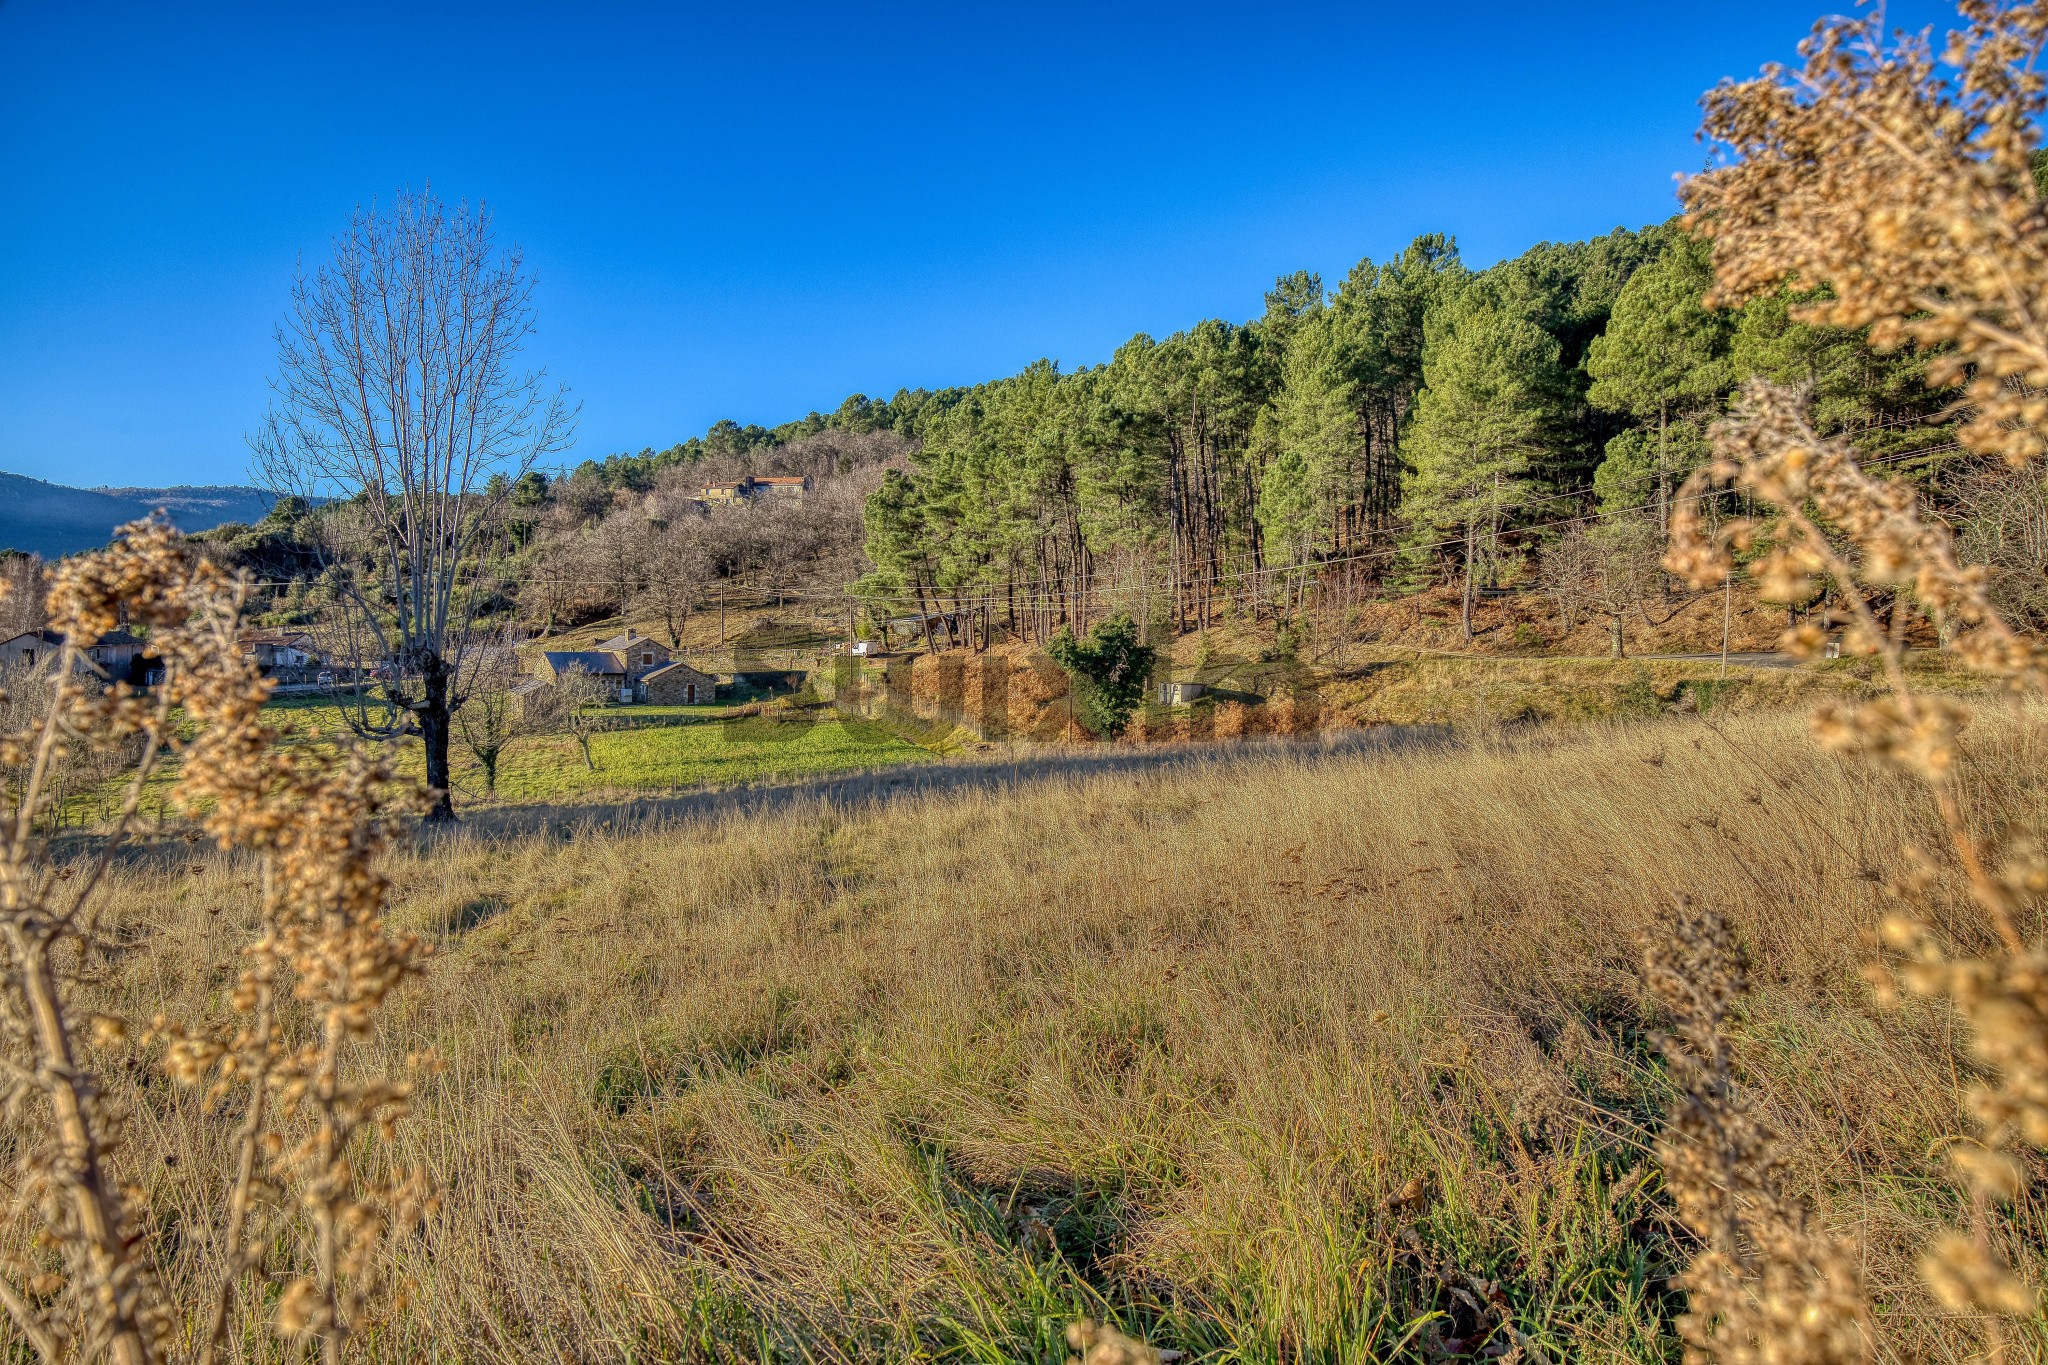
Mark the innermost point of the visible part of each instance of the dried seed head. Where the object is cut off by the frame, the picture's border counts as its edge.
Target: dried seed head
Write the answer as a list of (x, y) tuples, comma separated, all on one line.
[(1968, 1279)]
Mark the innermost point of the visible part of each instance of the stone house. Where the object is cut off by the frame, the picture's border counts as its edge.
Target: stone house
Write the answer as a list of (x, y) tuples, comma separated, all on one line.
[(779, 487), (273, 649), (677, 684), (792, 487), (624, 662), (116, 656), (640, 654)]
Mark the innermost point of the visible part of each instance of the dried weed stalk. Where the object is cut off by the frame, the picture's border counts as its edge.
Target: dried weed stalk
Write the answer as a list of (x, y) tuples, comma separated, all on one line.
[(1768, 1288), (311, 983), (1863, 533), (1903, 184), (1905, 193)]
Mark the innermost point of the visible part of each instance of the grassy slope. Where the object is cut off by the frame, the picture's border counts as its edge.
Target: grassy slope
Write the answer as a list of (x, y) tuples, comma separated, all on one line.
[(924, 1081)]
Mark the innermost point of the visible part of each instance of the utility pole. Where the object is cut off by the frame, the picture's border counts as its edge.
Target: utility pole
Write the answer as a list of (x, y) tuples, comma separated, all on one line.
[(1727, 609)]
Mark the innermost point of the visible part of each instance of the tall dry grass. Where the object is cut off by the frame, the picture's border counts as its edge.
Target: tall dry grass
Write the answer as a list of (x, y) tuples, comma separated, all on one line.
[(1344, 1059)]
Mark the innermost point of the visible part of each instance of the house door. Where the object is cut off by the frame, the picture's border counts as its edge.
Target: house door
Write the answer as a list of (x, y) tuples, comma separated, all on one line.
[(691, 694)]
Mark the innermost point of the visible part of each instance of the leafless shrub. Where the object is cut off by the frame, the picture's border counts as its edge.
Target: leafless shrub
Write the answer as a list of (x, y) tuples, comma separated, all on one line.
[(493, 714), (311, 983), (575, 705)]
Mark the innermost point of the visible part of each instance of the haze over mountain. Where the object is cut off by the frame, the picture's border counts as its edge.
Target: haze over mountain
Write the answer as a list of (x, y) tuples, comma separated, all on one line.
[(51, 519)]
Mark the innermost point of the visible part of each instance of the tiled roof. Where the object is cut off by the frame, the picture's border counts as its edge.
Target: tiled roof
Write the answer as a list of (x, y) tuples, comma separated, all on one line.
[(670, 668)]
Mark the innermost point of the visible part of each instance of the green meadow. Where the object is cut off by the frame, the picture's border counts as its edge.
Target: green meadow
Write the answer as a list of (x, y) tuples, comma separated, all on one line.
[(651, 749)]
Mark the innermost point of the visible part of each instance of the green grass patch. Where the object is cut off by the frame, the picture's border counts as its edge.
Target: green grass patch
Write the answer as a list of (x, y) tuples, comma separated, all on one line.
[(655, 749)]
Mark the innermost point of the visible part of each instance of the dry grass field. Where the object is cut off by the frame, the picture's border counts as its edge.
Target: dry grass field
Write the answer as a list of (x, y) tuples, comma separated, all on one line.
[(1338, 1058)]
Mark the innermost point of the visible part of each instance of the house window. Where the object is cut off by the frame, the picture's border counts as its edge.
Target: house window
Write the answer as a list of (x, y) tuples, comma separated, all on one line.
[(646, 658)]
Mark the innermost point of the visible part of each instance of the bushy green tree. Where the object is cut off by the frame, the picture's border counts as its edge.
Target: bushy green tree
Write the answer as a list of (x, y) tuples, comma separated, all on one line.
[(1486, 414), (1570, 289), (1378, 315), (1311, 445), (1878, 400), (1107, 672), (1640, 459), (1662, 358)]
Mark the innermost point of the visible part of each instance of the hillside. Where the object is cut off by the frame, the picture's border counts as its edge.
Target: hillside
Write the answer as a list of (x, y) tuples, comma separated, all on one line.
[(51, 519)]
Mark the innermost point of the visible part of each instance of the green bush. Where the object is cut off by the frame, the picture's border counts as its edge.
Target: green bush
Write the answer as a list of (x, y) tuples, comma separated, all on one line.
[(1107, 671)]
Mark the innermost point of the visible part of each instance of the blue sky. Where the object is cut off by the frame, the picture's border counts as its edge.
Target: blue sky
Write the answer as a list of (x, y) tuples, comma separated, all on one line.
[(754, 210)]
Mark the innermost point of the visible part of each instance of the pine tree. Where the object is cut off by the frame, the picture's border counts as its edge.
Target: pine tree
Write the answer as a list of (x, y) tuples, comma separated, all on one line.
[(1487, 411), (1311, 441), (1378, 314), (1662, 358), (1876, 399)]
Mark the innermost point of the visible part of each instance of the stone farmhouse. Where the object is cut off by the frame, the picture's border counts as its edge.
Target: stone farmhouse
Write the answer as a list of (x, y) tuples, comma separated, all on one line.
[(756, 487), (116, 656), (640, 668), (275, 649)]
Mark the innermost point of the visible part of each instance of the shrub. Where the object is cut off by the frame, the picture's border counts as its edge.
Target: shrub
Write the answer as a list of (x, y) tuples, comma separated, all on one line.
[(1108, 672)]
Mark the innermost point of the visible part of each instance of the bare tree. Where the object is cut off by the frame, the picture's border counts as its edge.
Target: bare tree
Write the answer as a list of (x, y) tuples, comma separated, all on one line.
[(1565, 572), (676, 570), (492, 715), (398, 389), (615, 553), (1609, 570), (550, 569), (576, 706), (2001, 522)]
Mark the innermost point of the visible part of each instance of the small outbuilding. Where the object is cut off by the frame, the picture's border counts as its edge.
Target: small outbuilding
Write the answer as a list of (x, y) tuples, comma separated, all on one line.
[(1179, 693), (677, 684), (30, 648)]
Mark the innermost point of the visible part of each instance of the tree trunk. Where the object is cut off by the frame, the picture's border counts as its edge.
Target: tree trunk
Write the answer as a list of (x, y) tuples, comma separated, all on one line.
[(1620, 648), (433, 718), (1471, 549), (1663, 473)]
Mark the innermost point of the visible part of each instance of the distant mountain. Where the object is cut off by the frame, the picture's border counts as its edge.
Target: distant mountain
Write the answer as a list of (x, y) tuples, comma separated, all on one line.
[(50, 519)]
